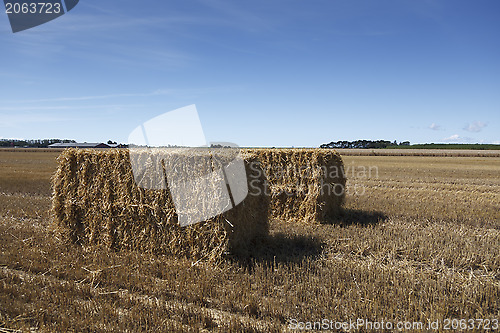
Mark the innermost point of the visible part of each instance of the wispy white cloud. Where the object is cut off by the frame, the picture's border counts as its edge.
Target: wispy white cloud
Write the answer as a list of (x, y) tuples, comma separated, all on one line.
[(435, 127), (67, 107), (94, 97), (104, 17), (157, 92), (237, 16), (454, 137), (475, 127), (154, 49), (457, 139), (18, 120)]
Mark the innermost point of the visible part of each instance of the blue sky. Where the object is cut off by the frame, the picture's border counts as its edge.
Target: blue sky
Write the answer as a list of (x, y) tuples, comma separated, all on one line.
[(261, 73)]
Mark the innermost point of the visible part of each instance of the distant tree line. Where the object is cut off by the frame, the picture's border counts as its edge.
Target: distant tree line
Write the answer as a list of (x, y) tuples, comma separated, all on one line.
[(31, 143), (463, 146), (219, 146), (365, 144)]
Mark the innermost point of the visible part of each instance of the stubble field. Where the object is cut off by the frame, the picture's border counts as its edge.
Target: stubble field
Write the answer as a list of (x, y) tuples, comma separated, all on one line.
[(419, 241)]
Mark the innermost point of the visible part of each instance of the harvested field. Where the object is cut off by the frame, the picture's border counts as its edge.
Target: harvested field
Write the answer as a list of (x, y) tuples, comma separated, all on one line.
[(457, 189), (419, 241)]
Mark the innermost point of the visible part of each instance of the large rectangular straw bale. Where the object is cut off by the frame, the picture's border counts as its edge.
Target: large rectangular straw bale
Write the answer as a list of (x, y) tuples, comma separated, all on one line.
[(96, 202), (304, 184)]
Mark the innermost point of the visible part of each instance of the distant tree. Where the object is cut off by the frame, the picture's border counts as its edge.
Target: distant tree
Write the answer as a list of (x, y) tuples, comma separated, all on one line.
[(37, 143), (363, 144)]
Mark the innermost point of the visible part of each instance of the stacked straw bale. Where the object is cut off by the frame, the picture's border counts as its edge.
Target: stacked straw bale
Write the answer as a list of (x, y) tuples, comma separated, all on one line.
[(96, 201), (305, 185)]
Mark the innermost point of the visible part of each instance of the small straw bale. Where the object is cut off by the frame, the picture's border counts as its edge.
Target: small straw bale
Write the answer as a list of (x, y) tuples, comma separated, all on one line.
[(304, 184), (96, 201)]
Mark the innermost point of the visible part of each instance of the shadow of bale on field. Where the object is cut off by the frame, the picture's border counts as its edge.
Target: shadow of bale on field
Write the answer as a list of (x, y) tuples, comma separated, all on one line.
[(349, 217), (281, 248)]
